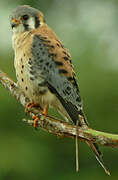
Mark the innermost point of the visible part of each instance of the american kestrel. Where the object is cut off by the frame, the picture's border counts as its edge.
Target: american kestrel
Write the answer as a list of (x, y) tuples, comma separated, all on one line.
[(44, 68)]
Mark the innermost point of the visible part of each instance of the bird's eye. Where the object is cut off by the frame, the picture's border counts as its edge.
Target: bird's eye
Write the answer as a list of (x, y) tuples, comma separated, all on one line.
[(25, 17)]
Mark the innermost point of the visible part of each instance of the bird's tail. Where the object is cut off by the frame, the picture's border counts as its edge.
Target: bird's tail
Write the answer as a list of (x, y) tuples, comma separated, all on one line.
[(83, 122), (79, 119), (98, 155)]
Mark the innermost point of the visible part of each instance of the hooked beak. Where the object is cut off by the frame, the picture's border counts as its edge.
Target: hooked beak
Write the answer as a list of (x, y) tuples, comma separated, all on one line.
[(15, 23)]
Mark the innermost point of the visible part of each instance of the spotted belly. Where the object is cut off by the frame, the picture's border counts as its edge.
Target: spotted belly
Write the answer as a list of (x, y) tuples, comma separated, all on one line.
[(41, 95), (34, 87)]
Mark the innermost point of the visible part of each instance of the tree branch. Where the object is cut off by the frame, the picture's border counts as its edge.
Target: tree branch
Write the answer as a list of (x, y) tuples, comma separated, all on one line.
[(55, 126)]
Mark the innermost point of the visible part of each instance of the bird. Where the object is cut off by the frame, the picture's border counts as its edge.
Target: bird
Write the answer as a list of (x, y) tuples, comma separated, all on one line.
[(44, 70)]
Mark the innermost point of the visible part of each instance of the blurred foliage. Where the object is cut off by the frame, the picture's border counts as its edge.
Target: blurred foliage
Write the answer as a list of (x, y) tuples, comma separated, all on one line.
[(89, 30)]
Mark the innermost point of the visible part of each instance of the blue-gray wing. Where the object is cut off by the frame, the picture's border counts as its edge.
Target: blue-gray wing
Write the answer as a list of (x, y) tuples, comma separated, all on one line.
[(45, 67)]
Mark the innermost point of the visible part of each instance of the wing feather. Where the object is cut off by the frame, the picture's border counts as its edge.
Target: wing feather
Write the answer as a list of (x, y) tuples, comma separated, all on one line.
[(57, 79)]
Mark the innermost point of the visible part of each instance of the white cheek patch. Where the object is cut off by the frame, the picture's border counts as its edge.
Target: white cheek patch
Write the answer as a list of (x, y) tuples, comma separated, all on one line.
[(18, 29), (31, 23)]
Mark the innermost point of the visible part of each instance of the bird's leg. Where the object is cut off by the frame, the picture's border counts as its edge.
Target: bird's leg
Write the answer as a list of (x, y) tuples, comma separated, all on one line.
[(36, 119), (35, 122), (31, 105)]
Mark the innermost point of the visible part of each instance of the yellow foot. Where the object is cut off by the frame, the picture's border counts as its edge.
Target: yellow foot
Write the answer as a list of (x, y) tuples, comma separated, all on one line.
[(35, 123), (35, 118), (31, 105), (45, 110)]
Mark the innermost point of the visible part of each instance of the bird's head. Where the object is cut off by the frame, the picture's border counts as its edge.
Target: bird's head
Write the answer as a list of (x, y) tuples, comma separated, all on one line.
[(25, 18)]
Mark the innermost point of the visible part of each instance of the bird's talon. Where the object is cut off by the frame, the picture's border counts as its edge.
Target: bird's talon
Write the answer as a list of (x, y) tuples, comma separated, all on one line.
[(45, 111), (28, 106), (36, 119), (31, 105)]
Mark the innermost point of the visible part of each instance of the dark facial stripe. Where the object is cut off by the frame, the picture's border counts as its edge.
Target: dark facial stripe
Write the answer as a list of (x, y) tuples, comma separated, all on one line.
[(37, 22), (26, 26)]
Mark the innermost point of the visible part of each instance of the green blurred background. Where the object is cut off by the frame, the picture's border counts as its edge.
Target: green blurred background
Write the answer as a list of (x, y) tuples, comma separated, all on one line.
[(89, 29)]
